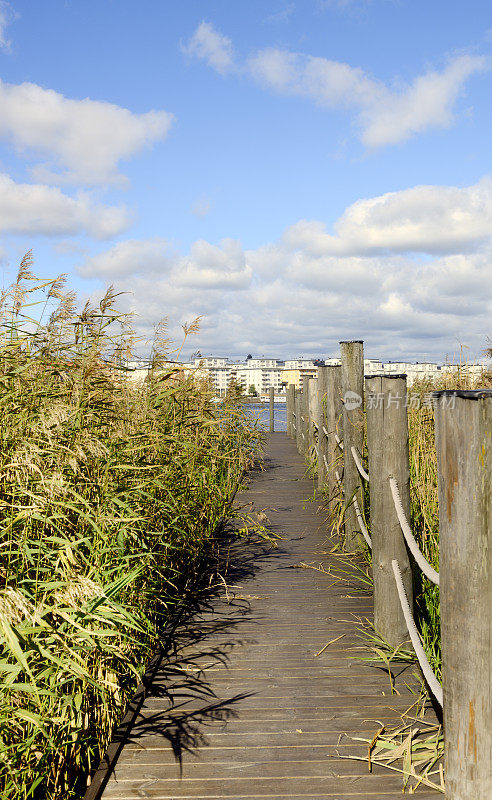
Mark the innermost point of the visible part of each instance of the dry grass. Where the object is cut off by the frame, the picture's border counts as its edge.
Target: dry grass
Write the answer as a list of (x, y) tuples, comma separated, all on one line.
[(109, 495)]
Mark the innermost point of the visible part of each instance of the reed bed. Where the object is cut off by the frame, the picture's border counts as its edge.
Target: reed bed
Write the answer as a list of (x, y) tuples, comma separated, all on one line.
[(109, 495), (424, 500)]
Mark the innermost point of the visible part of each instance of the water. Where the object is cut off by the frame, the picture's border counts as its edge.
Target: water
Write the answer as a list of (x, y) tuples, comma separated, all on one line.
[(262, 411)]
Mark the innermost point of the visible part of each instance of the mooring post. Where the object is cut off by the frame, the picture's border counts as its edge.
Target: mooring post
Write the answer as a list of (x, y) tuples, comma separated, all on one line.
[(352, 381), (330, 414), (464, 457), (312, 387), (290, 408), (387, 446), (272, 409)]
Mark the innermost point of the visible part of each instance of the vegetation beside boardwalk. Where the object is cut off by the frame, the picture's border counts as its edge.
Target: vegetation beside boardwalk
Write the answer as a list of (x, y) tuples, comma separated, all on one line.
[(109, 496)]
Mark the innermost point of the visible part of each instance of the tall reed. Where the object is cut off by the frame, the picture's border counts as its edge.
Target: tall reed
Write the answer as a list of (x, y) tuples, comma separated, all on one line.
[(109, 493)]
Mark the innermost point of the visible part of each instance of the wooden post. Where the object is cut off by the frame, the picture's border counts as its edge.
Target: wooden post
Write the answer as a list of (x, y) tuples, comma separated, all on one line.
[(290, 407), (330, 414), (387, 445), (272, 409), (352, 380), (304, 417), (298, 431), (312, 387), (464, 457)]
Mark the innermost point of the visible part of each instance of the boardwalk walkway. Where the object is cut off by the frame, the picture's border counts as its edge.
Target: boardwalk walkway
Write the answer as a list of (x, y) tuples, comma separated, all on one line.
[(243, 707)]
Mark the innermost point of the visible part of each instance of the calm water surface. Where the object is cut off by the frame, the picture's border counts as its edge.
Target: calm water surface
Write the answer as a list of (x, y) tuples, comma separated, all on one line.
[(262, 412)]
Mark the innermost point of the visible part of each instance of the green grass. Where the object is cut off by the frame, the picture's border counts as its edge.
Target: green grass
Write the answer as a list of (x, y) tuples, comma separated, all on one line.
[(109, 495)]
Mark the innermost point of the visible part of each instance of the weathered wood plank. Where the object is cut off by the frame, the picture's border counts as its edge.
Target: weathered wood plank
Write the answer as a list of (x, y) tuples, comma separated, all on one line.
[(244, 707)]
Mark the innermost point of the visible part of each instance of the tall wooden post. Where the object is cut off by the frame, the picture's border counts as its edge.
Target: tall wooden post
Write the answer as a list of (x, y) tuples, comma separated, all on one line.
[(272, 408), (312, 387), (330, 414), (290, 407), (298, 431), (352, 380), (304, 417), (464, 455), (387, 445)]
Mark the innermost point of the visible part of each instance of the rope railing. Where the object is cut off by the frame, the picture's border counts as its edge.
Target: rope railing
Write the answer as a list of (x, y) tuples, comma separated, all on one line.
[(359, 466), (424, 565), (339, 441), (426, 668), (360, 520)]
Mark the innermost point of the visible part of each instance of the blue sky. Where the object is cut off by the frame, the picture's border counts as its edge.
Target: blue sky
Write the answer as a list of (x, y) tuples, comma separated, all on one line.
[(295, 173)]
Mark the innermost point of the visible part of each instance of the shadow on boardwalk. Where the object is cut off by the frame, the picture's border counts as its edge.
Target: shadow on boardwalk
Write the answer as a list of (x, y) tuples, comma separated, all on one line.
[(255, 692)]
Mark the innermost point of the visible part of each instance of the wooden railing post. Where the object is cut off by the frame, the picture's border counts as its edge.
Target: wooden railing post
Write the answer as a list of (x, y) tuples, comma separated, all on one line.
[(352, 380), (312, 387), (272, 408), (387, 446), (304, 417), (298, 431), (330, 419), (464, 455), (290, 408)]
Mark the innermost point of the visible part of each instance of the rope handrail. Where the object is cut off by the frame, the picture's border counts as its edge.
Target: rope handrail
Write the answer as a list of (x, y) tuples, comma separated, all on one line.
[(424, 565), (339, 441), (426, 668), (359, 466), (362, 526)]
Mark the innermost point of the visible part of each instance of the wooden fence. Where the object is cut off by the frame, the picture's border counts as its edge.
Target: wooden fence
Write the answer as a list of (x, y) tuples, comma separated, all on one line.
[(328, 418)]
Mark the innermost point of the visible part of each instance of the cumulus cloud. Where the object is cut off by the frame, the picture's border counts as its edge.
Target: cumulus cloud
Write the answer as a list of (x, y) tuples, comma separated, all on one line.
[(428, 219), (207, 267), (34, 209), (384, 114), (7, 15), (83, 140), (211, 46), (408, 272)]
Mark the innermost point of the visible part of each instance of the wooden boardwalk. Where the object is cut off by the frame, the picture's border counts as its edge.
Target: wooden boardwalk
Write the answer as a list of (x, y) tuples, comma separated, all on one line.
[(242, 707)]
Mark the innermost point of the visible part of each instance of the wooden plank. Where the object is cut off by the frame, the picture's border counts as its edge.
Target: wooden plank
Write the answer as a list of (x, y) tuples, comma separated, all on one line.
[(244, 707)]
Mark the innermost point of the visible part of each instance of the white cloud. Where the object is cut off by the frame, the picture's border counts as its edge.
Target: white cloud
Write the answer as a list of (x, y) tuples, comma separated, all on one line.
[(129, 258), (211, 46), (43, 210), (307, 291), (7, 15), (85, 139), (428, 219), (427, 103), (384, 115), (208, 267), (212, 267)]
